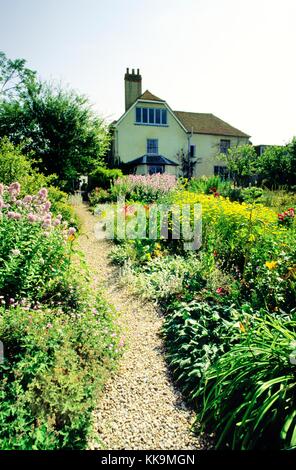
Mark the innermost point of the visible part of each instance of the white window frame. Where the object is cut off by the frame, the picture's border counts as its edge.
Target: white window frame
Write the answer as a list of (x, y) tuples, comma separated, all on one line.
[(154, 123), (152, 153)]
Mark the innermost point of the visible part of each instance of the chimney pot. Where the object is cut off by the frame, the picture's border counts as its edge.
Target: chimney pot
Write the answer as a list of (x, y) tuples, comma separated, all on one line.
[(133, 71), (138, 71), (127, 70)]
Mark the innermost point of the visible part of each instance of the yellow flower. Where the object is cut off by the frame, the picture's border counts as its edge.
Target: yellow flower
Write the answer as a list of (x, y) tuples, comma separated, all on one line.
[(271, 264), (252, 237)]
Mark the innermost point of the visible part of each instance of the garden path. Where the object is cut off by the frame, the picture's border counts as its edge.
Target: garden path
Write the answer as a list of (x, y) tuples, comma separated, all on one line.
[(140, 408)]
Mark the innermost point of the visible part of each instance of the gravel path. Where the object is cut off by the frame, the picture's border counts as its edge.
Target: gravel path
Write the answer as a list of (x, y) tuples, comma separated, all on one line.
[(140, 408)]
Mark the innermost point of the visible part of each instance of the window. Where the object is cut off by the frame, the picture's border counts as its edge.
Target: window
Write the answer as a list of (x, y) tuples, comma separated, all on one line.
[(192, 151), (152, 146), (138, 114), (151, 116), (145, 115), (224, 145), (221, 171), (155, 169)]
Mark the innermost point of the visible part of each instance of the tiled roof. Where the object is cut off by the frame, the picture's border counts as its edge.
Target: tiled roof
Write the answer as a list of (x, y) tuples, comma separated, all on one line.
[(204, 123), (149, 96), (152, 160)]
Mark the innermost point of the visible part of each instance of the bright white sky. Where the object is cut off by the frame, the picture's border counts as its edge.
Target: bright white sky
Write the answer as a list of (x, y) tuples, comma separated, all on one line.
[(233, 58)]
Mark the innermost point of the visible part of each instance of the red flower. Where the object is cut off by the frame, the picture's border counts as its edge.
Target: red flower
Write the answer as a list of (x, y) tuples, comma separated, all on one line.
[(220, 291)]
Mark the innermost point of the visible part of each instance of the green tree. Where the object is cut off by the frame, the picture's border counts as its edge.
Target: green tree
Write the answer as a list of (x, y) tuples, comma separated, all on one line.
[(278, 165), (242, 162), (56, 127), (14, 76)]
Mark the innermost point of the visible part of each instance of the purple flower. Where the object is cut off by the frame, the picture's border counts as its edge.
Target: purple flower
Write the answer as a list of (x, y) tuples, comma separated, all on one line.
[(43, 193), (32, 217), (28, 199), (14, 189)]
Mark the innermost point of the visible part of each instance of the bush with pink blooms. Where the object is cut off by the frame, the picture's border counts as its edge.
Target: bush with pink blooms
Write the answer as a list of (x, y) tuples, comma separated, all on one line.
[(144, 188), (34, 246), (58, 335)]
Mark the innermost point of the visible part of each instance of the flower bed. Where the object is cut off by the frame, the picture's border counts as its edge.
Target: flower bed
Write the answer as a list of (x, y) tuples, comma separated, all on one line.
[(227, 306), (59, 340)]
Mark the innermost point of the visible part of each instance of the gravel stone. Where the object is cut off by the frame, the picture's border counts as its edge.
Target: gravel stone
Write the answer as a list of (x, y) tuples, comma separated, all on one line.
[(140, 408)]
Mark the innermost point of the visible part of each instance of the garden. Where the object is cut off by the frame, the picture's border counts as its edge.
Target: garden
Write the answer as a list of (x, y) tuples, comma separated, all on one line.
[(229, 327), (224, 299)]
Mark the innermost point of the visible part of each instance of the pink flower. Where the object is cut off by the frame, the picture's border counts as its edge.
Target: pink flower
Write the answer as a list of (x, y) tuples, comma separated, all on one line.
[(121, 342), (47, 206), (28, 199), (14, 189), (43, 193), (220, 291), (32, 217), (49, 325), (14, 215), (71, 231)]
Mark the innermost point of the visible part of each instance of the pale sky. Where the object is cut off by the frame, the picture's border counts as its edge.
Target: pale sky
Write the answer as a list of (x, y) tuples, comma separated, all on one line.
[(232, 58)]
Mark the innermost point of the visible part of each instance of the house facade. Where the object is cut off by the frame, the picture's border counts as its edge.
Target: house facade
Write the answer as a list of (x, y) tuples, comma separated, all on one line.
[(150, 137)]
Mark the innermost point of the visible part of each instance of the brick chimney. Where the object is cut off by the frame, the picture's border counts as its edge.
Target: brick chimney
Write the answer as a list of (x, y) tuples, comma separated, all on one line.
[(133, 87)]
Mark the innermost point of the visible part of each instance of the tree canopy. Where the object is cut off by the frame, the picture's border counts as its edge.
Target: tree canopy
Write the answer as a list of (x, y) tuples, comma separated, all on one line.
[(56, 126)]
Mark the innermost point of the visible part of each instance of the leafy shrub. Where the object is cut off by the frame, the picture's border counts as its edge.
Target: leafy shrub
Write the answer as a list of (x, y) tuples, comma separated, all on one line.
[(99, 195), (145, 189), (249, 395), (243, 238), (33, 245), (163, 277), (196, 334), (13, 165), (59, 340), (103, 177), (209, 185), (55, 365)]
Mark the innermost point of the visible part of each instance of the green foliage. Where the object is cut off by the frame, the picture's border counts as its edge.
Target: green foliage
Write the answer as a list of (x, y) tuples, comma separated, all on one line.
[(58, 336), (14, 166), (209, 185), (241, 161), (99, 195), (55, 365), (277, 165), (58, 128), (249, 395), (144, 188), (34, 252), (196, 334), (14, 76), (103, 177)]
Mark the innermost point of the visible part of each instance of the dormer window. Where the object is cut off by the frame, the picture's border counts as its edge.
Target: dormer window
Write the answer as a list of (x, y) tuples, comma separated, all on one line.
[(151, 116)]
